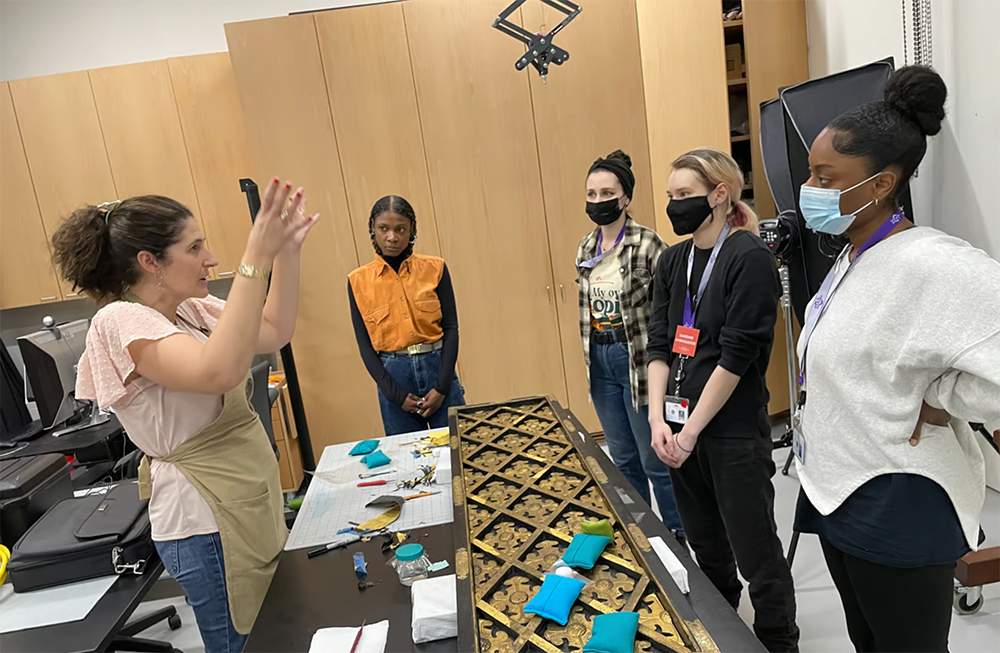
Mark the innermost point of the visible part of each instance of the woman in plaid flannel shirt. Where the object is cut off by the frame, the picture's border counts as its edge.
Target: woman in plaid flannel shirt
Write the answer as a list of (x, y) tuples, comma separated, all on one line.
[(615, 264)]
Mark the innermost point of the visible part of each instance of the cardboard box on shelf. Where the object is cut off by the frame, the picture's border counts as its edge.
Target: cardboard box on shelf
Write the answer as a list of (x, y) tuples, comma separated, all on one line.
[(734, 61)]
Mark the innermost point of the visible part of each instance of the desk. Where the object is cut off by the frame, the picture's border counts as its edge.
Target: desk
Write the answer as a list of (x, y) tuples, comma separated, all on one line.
[(96, 631), (307, 595), (71, 443)]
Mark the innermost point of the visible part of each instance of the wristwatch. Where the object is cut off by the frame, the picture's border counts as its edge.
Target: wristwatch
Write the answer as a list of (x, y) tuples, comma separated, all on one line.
[(250, 272)]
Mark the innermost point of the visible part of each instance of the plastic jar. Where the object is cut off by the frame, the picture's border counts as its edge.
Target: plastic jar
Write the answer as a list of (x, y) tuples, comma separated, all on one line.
[(410, 563)]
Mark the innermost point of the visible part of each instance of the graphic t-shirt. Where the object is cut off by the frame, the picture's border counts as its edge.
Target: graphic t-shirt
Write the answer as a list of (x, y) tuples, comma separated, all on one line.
[(605, 288)]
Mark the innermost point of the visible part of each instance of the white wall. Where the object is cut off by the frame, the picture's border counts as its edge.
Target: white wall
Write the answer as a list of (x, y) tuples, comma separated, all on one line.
[(44, 37), (955, 188)]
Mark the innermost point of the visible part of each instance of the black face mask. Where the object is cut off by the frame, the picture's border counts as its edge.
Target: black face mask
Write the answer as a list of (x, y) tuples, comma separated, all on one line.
[(687, 214), (605, 212)]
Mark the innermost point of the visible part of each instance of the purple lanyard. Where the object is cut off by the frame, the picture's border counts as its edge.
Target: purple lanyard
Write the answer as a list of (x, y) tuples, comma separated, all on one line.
[(827, 290), (592, 263), (689, 310)]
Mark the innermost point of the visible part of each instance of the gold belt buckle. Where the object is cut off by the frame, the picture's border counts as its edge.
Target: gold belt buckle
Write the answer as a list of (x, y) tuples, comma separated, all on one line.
[(413, 350)]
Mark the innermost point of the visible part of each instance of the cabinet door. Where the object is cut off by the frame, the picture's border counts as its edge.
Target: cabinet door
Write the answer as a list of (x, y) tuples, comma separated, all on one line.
[(479, 136), (64, 146), (279, 74), (142, 132), (589, 107), (684, 82), (212, 122), (370, 83), (26, 274), (777, 55)]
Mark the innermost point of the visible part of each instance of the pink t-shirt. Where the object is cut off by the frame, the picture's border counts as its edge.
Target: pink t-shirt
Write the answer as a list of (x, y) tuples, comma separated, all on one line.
[(156, 418)]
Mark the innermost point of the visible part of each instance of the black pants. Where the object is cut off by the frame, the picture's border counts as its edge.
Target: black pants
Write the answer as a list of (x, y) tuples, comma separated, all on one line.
[(892, 609), (726, 501)]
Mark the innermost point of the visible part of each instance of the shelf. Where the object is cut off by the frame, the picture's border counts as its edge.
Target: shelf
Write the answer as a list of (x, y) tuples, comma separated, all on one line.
[(728, 24), (742, 81), (739, 139)]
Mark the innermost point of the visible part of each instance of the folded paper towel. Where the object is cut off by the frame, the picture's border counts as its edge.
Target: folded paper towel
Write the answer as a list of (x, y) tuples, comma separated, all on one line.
[(340, 640), (435, 609), (673, 564)]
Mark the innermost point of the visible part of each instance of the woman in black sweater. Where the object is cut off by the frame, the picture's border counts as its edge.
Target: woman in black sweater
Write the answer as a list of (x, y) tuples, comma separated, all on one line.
[(715, 299)]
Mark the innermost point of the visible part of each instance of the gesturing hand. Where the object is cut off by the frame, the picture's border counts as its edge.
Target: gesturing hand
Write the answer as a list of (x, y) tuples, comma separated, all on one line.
[(929, 415), (281, 219)]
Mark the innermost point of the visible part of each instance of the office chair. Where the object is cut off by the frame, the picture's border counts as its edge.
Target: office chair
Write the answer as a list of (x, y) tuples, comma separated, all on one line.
[(261, 400)]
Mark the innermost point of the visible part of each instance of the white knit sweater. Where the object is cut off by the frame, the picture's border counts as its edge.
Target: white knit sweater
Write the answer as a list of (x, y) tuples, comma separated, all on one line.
[(918, 318)]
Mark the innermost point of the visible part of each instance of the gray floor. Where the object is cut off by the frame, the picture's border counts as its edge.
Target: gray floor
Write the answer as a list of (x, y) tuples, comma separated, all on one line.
[(820, 616)]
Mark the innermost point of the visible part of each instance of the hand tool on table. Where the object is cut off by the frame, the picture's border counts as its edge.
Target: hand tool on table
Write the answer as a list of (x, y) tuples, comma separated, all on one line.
[(387, 471), (357, 639), (370, 483)]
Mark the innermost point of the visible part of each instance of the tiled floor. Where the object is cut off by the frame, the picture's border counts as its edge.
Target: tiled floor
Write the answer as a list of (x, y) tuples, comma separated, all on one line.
[(820, 616)]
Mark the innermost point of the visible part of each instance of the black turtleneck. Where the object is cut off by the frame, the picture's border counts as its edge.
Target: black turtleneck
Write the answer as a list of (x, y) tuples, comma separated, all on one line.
[(449, 350)]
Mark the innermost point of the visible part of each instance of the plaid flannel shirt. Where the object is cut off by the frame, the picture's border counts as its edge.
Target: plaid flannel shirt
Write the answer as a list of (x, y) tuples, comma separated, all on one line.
[(640, 250)]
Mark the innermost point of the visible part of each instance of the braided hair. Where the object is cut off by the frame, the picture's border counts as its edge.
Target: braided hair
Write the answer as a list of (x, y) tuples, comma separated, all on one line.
[(393, 204)]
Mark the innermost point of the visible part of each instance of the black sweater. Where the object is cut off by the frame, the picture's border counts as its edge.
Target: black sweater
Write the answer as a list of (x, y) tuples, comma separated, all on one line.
[(735, 321), (449, 352)]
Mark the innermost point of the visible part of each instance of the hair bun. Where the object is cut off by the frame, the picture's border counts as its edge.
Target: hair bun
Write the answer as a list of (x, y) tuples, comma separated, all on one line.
[(621, 156), (918, 93)]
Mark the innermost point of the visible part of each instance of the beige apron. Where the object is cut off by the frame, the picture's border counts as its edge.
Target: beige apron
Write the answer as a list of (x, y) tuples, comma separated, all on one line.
[(231, 464)]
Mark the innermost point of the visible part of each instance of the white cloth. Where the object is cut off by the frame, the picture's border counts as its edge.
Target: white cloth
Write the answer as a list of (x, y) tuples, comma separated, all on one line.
[(340, 640), (917, 318), (435, 608), (673, 564)]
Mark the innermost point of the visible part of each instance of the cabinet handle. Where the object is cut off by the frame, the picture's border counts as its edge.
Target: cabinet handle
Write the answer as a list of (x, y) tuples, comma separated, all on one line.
[(46, 299), (562, 293), (72, 294), (226, 274), (548, 291)]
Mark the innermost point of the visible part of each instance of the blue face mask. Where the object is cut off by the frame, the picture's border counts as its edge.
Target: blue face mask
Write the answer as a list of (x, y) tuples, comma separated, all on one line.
[(821, 208)]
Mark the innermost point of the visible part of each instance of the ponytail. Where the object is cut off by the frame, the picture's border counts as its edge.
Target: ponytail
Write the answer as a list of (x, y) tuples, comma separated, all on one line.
[(96, 248)]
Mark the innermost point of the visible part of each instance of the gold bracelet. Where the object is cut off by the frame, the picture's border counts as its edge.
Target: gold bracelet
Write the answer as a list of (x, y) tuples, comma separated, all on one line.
[(250, 272)]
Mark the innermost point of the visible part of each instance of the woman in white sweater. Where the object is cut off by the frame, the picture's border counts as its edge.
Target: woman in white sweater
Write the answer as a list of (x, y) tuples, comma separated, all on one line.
[(906, 325)]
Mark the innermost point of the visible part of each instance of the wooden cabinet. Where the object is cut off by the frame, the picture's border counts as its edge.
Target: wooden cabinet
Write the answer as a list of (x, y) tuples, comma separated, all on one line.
[(64, 147), (588, 108), (282, 89), (684, 85), (374, 105), (26, 274), (209, 109), (479, 139), (286, 437), (142, 132)]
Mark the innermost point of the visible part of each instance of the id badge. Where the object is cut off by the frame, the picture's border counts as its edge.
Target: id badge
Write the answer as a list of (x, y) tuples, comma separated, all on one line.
[(676, 410), (686, 341), (799, 444)]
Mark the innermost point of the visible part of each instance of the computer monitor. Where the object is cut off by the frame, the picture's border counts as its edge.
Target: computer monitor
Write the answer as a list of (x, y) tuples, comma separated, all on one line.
[(50, 358)]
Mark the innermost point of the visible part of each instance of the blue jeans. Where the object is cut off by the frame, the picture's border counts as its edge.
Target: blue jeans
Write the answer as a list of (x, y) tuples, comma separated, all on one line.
[(196, 564), (627, 431), (416, 375)]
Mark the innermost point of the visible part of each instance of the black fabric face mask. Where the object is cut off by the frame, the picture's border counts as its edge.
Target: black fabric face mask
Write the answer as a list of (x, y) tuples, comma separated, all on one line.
[(687, 214), (605, 212)]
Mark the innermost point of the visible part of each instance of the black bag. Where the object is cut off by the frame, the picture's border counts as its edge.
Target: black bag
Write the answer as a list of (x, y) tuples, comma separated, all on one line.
[(28, 488), (83, 538)]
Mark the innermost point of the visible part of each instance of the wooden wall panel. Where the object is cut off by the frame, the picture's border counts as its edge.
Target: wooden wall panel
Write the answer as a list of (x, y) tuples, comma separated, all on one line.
[(684, 78), (777, 55), (26, 275), (479, 137), (590, 106), (370, 83), (142, 132), (282, 88), (209, 108), (64, 147)]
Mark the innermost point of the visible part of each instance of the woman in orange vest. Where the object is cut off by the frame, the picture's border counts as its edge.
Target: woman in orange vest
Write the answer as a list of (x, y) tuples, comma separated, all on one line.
[(406, 323)]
